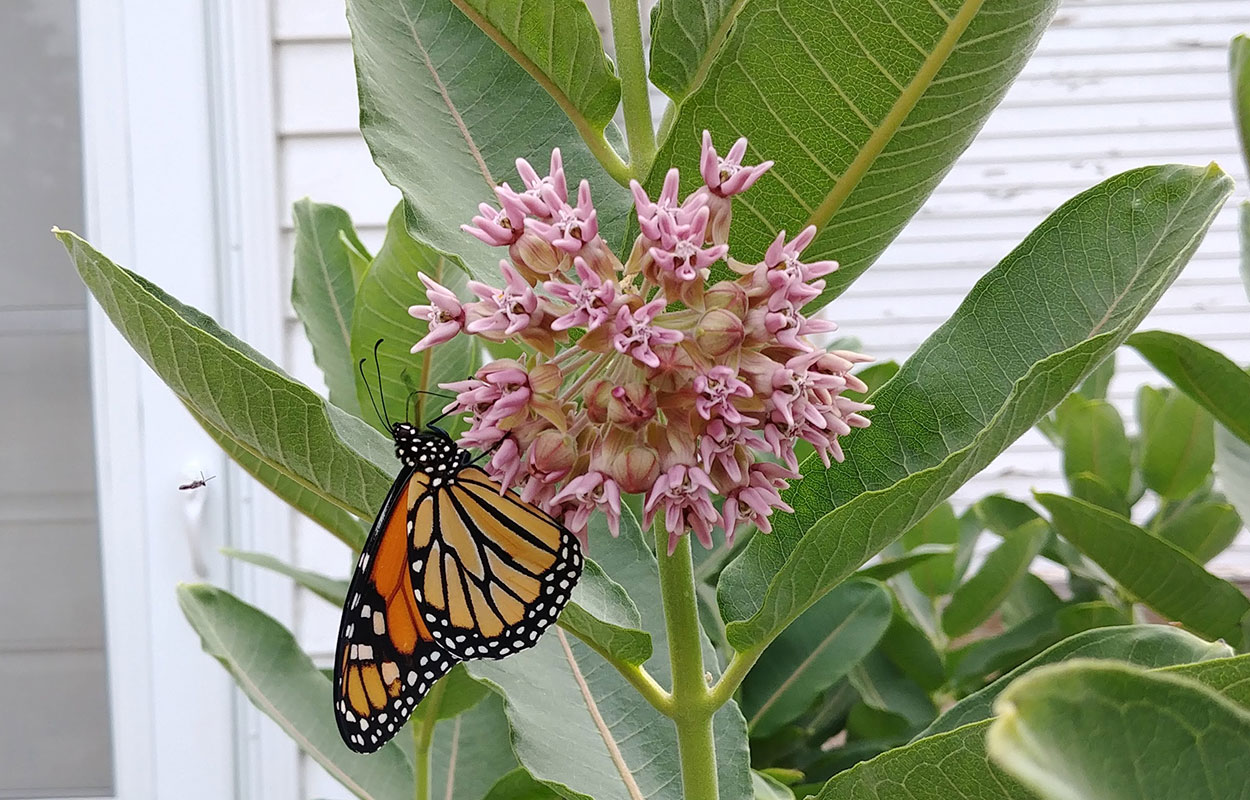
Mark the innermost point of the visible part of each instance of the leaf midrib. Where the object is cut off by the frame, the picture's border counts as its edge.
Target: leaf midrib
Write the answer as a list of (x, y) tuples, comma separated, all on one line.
[(898, 113), (609, 741)]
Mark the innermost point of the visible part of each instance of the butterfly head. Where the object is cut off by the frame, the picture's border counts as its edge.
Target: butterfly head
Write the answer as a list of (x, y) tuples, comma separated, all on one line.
[(430, 450)]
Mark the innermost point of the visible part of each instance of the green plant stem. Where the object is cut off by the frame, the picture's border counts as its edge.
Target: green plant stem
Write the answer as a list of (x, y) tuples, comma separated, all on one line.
[(692, 709), (632, 66), (637, 676), (734, 674), (423, 738)]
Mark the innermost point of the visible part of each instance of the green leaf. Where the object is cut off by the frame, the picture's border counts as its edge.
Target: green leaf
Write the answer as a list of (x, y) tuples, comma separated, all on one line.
[(874, 377), (1095, 386), (1157, 572), (445, 112), (346, 527), (954, 763), (981, 595), (1229, 676), (909, 649), (1092, 489), (562, 698), (323, 291), (387, 290), (1094, 441), (970, 665), (471, 752), (1232, 467), (1239, 72), (919, 555), (1028, 597), (884, 687), (246, 399), (934, 576), (602, 614), (459, 694), (557, 43), (1144, 645), (357, 256), (814, 653), (1203, 530), (1108, 731), (686, 36), (1206, 375), (766, 787), (519, 785), (965, 396), (280, 680), (332, 590), (863, 106)]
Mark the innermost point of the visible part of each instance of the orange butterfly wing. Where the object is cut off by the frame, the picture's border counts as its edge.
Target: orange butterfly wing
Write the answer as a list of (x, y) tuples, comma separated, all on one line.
[(492, 570), (386, 659)]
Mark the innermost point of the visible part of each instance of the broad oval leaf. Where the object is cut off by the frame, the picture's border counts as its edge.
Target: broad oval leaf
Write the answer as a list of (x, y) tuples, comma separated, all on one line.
[(603, 616), (1108, 731), (966, 395), (1204, 530), (1206, 375), (386, 292), (1178, 447), (268, 665), (814, 653), (1157, 572), (249, 402), (323, 291), (446, 112), (863, 106), (471, 751), (1232, 468), (954, 763), (1094, 441), (978, 597), (686, 36), (557, 43), (1144, 645), (935, 577), (972, 664), (332, 590)]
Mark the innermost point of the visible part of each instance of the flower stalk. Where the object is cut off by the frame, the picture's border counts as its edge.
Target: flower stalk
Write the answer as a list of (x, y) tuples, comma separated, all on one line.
[(635, 102), (423, 738), (692, 710)]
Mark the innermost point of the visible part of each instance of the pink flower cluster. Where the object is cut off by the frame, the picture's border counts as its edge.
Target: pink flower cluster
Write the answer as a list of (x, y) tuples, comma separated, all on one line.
[(686, 392)]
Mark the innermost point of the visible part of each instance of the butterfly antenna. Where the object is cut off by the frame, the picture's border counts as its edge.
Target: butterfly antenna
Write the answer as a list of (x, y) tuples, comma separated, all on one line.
[(374, 403), (378, 366)]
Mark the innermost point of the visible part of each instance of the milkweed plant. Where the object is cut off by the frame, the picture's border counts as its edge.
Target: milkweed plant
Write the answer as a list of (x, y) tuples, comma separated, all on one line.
[(631, 334)]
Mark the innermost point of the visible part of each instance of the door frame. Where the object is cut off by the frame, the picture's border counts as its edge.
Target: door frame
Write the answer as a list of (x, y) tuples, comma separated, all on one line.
[(178, 173)]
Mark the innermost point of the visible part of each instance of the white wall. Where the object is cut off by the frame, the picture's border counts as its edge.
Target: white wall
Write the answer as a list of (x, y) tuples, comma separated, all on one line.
[(1114, 85)]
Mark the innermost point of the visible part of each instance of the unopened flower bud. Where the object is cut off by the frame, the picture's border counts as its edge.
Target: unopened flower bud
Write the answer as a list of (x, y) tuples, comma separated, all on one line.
[(727, 295), (631, 406), (546, 378), (718, 333), (552, 455), (533, 253), (595, 397)]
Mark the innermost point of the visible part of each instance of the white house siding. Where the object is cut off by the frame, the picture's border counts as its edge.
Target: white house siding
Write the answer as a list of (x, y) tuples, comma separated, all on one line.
[(1113, 85)]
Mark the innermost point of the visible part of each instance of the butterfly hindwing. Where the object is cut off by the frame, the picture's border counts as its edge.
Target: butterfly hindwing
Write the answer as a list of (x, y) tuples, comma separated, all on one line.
[(490, 570), (386, 659)]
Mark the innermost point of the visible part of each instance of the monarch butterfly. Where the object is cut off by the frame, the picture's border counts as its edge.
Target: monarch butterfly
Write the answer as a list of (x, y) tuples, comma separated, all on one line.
[(454, 569)]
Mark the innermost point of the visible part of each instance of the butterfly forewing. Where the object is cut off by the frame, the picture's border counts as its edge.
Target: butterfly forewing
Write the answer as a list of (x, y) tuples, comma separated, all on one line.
[(386, 659), (491, 570)]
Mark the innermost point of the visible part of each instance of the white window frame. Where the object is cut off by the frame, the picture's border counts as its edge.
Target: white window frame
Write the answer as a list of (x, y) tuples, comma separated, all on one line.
[(179, 176)]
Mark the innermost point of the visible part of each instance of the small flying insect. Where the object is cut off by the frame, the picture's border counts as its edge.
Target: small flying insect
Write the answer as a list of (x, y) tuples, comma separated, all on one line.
[(197, 483)]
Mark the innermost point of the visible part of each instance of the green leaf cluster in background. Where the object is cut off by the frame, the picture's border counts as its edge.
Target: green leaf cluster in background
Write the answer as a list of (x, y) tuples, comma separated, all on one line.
[(888, 644)]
